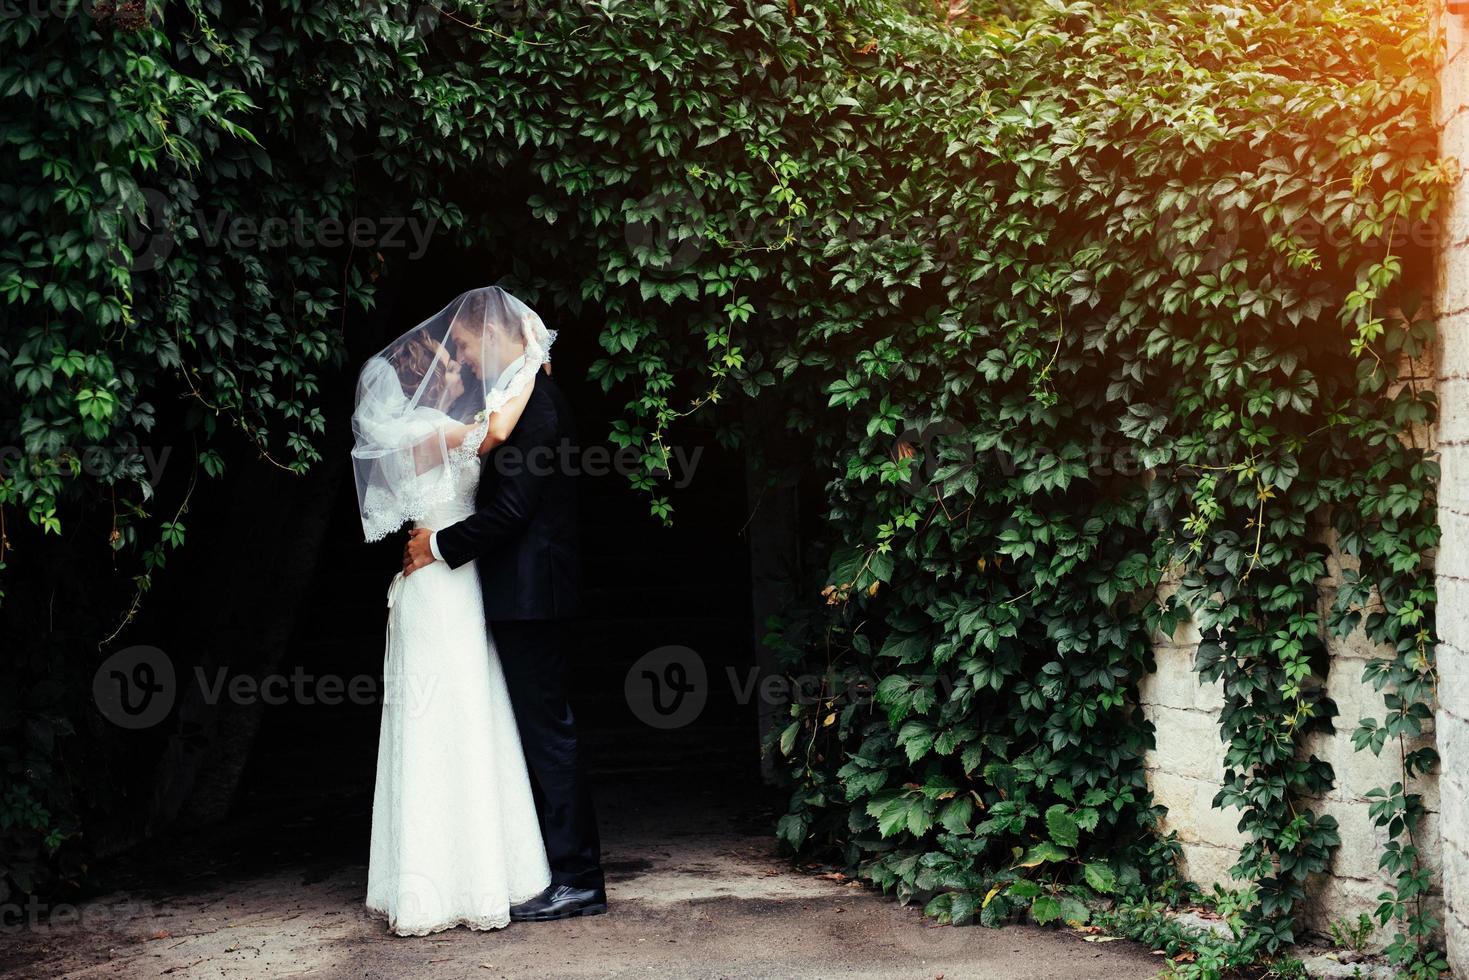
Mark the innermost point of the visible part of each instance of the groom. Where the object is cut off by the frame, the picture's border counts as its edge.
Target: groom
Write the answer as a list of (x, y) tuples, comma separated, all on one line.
[(524, 536)]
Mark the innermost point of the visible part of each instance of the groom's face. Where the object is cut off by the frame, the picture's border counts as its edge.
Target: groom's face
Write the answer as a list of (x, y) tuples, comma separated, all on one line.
[(498, 351), (467, 350)]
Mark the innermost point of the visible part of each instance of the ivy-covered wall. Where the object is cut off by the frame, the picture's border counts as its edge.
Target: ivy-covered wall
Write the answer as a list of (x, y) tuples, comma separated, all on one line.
[(1031, 241), (1452, 718), (1008, 608), (1188, 764)]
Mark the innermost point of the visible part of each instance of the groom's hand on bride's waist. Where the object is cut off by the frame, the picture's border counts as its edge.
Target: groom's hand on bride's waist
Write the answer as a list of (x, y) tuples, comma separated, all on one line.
[(418, 552)]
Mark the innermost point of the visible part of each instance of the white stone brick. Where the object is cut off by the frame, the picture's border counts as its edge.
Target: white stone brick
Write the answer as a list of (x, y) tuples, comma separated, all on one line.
[(1217, 826), (1452, 728), (1452, 612), (1358, 773), (1452, 289), (1175, 684), (1454, 36), (1453, 487), (1186, 633), (1428, 787), (1453, 86), (1453, 562), (1454, 136), (1453, 667), (1450, 229), (1356, 645), (1454, 812), (1206, 864), (1451, 29), (1176, 793), (1191, 812), (1453, 418), (1452, 347), (1456, 901), (1331, 899), (1188, 743), (1328, 901), (1362, 842), (1453, 747)]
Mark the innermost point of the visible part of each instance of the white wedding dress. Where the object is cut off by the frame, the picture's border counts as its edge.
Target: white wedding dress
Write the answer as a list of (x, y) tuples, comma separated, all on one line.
[(455, 838)]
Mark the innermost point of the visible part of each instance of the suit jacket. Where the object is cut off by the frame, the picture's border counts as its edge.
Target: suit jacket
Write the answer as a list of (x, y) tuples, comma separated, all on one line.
[(524, 529)]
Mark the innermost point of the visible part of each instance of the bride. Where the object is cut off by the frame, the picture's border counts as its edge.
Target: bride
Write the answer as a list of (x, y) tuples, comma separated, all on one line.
[(455, 836)]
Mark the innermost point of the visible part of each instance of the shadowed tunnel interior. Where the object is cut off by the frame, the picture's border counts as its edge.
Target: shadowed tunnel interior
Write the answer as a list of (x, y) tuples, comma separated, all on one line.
[(307, 785), (645, 587)]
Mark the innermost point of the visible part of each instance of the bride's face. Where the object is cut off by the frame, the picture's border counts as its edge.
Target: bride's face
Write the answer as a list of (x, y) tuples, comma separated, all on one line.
[(453, 376)]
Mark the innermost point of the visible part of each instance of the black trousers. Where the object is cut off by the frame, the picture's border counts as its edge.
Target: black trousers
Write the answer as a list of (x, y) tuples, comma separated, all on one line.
[(533, 654)]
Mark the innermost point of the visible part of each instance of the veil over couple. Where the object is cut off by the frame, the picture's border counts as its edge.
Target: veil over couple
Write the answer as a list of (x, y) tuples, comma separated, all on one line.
[(481, 813)]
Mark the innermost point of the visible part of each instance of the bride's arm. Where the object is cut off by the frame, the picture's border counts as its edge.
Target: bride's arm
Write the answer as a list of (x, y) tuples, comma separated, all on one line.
[(502, 422), (503, 514), (454, 435)]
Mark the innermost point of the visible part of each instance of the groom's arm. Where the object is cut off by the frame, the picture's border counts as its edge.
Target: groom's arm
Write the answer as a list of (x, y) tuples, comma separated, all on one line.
[(517, 491)]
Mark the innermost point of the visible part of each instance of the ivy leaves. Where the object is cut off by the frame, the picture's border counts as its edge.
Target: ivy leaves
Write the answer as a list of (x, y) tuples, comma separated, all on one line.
[(1151, 256), (918, 809)]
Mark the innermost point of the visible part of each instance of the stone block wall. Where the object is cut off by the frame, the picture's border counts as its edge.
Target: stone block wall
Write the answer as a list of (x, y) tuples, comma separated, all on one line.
[(1452, 303), (1187, 767)]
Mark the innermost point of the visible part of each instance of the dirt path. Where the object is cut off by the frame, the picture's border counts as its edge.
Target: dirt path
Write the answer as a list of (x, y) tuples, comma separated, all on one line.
[(694, 893)]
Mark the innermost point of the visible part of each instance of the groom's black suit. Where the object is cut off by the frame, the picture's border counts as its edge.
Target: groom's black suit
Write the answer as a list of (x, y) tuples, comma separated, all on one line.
[(524, 536)]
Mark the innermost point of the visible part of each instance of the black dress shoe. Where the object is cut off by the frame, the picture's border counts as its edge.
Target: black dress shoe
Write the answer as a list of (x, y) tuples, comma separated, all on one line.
[(560, 902)]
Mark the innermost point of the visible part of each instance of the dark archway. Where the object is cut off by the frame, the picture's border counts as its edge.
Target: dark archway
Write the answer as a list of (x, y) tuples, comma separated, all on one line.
[(278, 590), (647, 587)]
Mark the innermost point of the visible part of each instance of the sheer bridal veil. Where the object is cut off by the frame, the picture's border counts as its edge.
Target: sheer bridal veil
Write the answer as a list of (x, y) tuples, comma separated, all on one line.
[(423, 403)]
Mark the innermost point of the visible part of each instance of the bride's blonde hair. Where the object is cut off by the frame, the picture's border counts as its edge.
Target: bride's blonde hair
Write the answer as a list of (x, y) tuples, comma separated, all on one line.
[(416, 361)]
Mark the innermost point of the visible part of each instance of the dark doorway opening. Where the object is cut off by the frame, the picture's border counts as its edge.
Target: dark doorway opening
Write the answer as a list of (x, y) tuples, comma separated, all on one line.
[(647, 588)]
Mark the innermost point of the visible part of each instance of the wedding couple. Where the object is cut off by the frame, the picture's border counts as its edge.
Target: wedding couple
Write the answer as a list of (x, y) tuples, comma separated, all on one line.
[(481, 815)]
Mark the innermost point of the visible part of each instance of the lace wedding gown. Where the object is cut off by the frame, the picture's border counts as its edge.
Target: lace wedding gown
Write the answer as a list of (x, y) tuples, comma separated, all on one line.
[(455, 838)]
